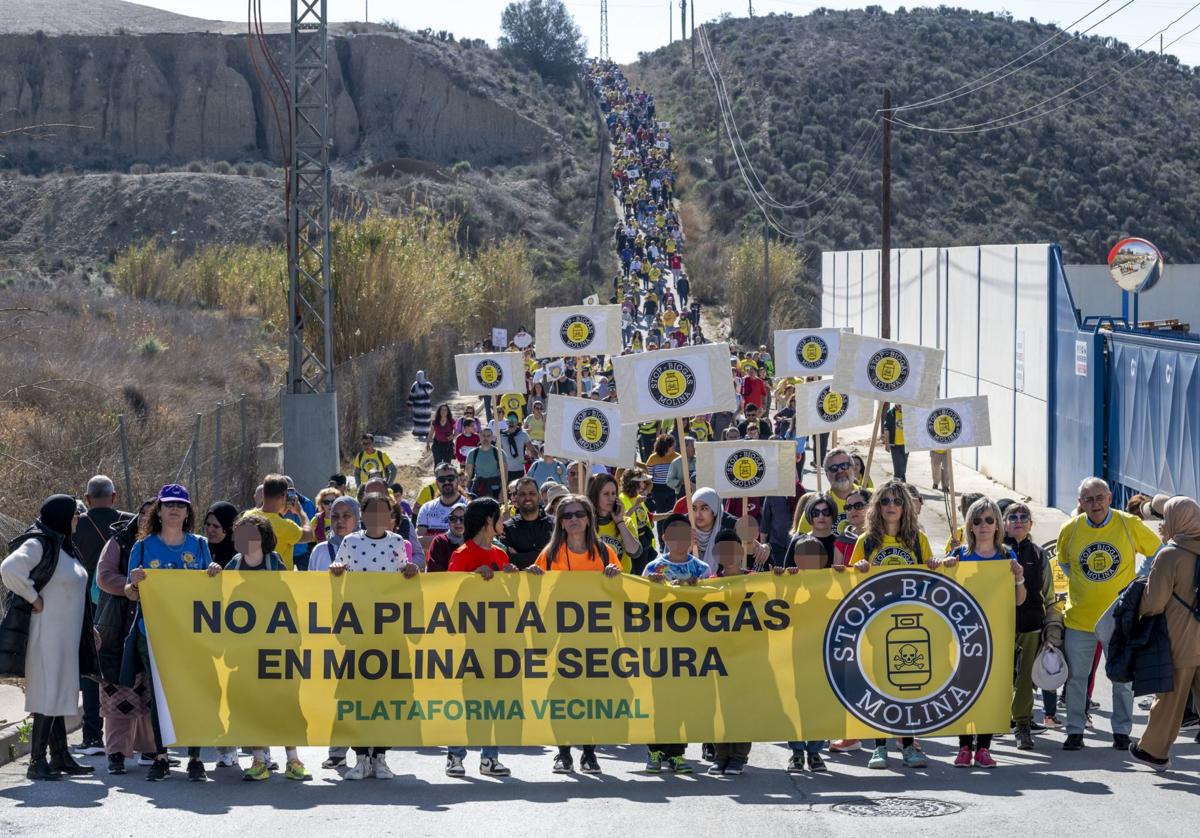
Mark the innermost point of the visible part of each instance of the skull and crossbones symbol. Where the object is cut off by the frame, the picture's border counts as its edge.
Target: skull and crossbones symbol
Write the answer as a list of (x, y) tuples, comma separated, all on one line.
[(908, 657)]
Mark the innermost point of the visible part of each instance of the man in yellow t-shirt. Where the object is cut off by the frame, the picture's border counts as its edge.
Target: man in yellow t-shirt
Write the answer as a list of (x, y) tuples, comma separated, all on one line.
[(1097, 551), (370, 460), (276, 501)]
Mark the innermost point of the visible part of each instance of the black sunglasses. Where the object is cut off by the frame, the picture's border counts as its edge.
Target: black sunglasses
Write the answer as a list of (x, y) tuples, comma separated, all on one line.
[(823, 511), (988, 519), (578, 513), (890, 501), (1018, 518), (447, 478), (857, 505), (837, 466)]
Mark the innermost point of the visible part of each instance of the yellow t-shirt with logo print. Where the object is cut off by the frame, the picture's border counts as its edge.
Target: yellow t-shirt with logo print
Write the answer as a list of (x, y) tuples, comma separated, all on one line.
[(513, 403), (610, 535), (1099, 562), (892, 552)]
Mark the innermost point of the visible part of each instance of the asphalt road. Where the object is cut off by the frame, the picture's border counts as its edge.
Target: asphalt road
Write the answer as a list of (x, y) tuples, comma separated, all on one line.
[(1049, 792)]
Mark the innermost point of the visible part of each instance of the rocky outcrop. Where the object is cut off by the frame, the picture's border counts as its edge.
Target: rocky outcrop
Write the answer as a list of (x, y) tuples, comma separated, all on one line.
[(175, 98)]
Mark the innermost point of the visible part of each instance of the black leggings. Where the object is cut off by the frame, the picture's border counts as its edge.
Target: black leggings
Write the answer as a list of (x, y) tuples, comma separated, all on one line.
[(369, 751), (905, 741), (979, 740)]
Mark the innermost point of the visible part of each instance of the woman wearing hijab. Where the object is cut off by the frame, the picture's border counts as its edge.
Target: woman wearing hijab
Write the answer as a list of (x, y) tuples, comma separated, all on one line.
[(1173, 590), (218, 529), (45, 574), (126, 710), (344, 518), (708, 520), (420, 402)]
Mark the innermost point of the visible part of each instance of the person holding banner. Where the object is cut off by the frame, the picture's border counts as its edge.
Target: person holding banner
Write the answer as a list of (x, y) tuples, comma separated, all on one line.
[(985, 542), (479, 555), (892, 538), (574, 546), (165, 540), (374, 549)]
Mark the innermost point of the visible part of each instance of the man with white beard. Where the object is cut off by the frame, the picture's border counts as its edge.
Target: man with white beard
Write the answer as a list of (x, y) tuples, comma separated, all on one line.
[(838, 471)]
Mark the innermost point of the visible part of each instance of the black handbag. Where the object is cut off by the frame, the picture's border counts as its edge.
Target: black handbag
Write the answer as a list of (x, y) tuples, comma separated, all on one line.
[(18, 614)]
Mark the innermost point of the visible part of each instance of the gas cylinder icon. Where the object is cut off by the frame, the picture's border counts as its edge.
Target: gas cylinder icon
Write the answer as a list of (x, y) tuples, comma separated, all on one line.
[(908, 653)]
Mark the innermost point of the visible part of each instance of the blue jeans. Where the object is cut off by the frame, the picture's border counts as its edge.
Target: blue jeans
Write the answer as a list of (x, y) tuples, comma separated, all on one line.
[(486, 752), (812, 746), (1080, 648)]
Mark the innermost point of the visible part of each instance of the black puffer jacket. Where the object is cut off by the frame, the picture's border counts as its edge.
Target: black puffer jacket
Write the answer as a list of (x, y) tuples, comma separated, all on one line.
[(1140, 648)]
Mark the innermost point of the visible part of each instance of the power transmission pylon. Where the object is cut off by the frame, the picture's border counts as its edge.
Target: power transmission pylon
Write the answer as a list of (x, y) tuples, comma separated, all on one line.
[(310, 426), (603, 30), (751, 2)]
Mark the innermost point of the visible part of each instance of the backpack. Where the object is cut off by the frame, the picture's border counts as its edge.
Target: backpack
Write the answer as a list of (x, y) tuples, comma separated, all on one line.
[(1195, 606)]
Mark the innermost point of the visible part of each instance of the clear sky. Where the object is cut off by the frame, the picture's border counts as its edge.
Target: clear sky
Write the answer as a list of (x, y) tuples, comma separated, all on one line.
[(639, 25)]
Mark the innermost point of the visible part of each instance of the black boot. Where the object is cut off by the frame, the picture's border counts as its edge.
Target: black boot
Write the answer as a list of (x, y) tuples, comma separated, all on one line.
[(39, 738), (60, 757)]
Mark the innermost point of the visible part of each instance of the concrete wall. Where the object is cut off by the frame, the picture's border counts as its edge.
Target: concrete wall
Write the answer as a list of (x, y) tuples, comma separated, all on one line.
[(987, 306)]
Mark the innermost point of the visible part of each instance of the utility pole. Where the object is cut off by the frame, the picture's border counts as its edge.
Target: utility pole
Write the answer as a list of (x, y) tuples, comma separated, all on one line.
[(885, 273), (766, 341), (693, 33), (671, 23), (603, 30), (683, 20), (366, 11), (310, 416), (751, 8)]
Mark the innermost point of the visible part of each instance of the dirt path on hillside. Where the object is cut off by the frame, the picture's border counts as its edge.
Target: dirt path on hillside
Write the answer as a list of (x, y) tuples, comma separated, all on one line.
[(414, 464)]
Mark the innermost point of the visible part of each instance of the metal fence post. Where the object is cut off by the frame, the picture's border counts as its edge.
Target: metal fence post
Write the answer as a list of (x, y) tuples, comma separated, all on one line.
[(218, 447), (129, 495), (194, 488)]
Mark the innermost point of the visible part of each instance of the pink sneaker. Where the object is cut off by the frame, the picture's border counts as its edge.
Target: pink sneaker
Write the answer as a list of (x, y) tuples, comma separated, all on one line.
[(983, 758), (842, 746), (963, 760)]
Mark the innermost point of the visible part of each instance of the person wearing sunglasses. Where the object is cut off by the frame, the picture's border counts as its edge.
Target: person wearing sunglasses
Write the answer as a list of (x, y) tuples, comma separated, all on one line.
[(1097, 550), (855, 524), (985, 543), (892, 538), (839, 471), (433, 515), (575, 546), (1037, 615)]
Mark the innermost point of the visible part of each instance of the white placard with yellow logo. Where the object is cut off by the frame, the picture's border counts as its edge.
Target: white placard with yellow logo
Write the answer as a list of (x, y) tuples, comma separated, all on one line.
[(576, 330), (951, 423), (747, 467), (589, 430), (490, 373), (667, 383), (803, 352), (821, 409), (887, 370)]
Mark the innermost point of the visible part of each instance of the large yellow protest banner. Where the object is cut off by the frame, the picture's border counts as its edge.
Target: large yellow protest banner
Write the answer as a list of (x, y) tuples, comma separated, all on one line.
[(375, 659)]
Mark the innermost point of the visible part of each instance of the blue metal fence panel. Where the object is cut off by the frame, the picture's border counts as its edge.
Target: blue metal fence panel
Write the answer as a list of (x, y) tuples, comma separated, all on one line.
[(1076, 410), (1154, 415)]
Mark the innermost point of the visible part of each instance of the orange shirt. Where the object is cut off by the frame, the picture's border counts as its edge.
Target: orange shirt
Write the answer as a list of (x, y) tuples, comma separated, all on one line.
[(569, 560)]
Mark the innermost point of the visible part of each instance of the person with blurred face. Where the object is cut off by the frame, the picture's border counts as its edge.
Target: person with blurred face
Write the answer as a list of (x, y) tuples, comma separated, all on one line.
[(1036, 614), (375, 548)]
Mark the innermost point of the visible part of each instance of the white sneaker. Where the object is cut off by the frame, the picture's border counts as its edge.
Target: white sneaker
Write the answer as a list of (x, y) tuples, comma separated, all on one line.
[(227, 760), (454, 766), (382, 772), (362, 769), (493, 768)]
